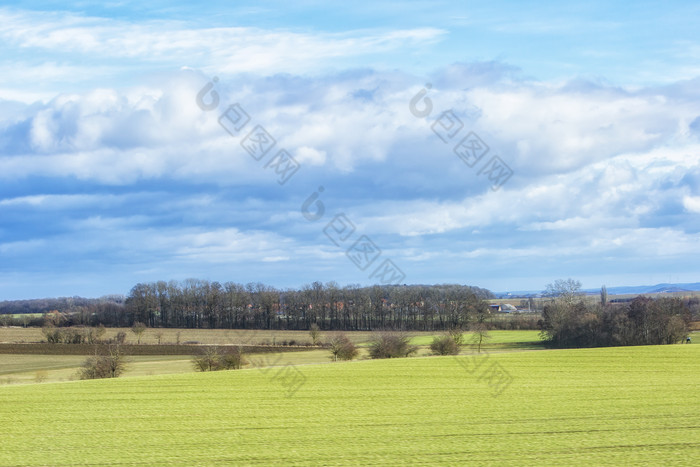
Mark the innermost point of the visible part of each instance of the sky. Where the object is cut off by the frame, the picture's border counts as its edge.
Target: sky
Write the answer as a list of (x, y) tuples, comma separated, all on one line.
[(502, 145)]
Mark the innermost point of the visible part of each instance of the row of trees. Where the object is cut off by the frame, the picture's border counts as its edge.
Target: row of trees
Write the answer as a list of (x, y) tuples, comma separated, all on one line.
[(568, 321), (203, 304), (195, 303)]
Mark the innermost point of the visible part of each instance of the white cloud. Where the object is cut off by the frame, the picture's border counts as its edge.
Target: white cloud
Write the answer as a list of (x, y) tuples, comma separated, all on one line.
[(306, 154), (692, 204), (219, 49)]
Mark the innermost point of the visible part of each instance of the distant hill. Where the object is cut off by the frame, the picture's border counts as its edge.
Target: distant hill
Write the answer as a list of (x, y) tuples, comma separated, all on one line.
[(622, 290), (658, 288)]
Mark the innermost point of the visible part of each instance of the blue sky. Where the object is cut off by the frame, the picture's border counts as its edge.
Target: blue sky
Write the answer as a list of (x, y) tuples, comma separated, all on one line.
[(112, 174)]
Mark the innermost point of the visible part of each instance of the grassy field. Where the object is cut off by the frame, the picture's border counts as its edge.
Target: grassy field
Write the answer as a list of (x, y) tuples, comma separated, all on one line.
[(26, 369), (497, 340), (20, 369), (614, 406), (52, 368)]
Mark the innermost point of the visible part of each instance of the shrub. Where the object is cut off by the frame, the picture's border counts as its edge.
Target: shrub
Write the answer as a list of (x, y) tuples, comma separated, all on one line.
[(110, 365), (214, 359), (120, 337), (53, 335), (391, 345), (342, 348), (444, 345), (232, 359)]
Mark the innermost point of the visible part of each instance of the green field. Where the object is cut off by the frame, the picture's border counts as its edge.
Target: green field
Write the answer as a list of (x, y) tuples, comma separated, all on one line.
[(20, 368), (23, 369), (611, 406)]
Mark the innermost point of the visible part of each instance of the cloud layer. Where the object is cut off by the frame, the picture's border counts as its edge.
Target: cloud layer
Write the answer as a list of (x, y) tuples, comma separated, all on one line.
[(104, 185)]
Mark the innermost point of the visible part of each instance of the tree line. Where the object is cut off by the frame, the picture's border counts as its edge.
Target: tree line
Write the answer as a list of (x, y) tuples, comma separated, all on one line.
[(196, 303), (569, 321)]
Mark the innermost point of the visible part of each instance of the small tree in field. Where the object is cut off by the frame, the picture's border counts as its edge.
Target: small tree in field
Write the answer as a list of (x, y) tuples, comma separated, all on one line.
[(391, 345), (208, 360), (480, 334), (109, 365), (138, 328), (232, 359), (214, 359), (120, 337), (444, 345), (342, 348), (315, 333)]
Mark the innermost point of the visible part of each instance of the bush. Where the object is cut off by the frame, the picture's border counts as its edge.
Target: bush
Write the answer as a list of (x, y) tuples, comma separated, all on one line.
[(110, 365), (53, 335), (215, 359), (120, 337), (342, 348), (391, 345), (232, 359), (444, 345)]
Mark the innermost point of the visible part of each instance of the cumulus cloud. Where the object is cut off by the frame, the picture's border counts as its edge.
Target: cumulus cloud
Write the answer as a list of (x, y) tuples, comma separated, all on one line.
[(597, 170)]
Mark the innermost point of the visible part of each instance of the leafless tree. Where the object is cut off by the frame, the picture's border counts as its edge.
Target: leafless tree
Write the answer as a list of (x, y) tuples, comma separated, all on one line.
[(315, 333), (138, 329), (480, 334), (565, 290), (391, 345), (342, 348), (111, 364), (214, 358)]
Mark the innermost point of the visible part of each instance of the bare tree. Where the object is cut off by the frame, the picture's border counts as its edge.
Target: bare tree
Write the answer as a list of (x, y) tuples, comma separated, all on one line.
[(565, 290), (480, 334), (109, 365), (208, 360), (391, 345), (315, 333), (138, 328), (444, 345), (342, 348), (214, 358)]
